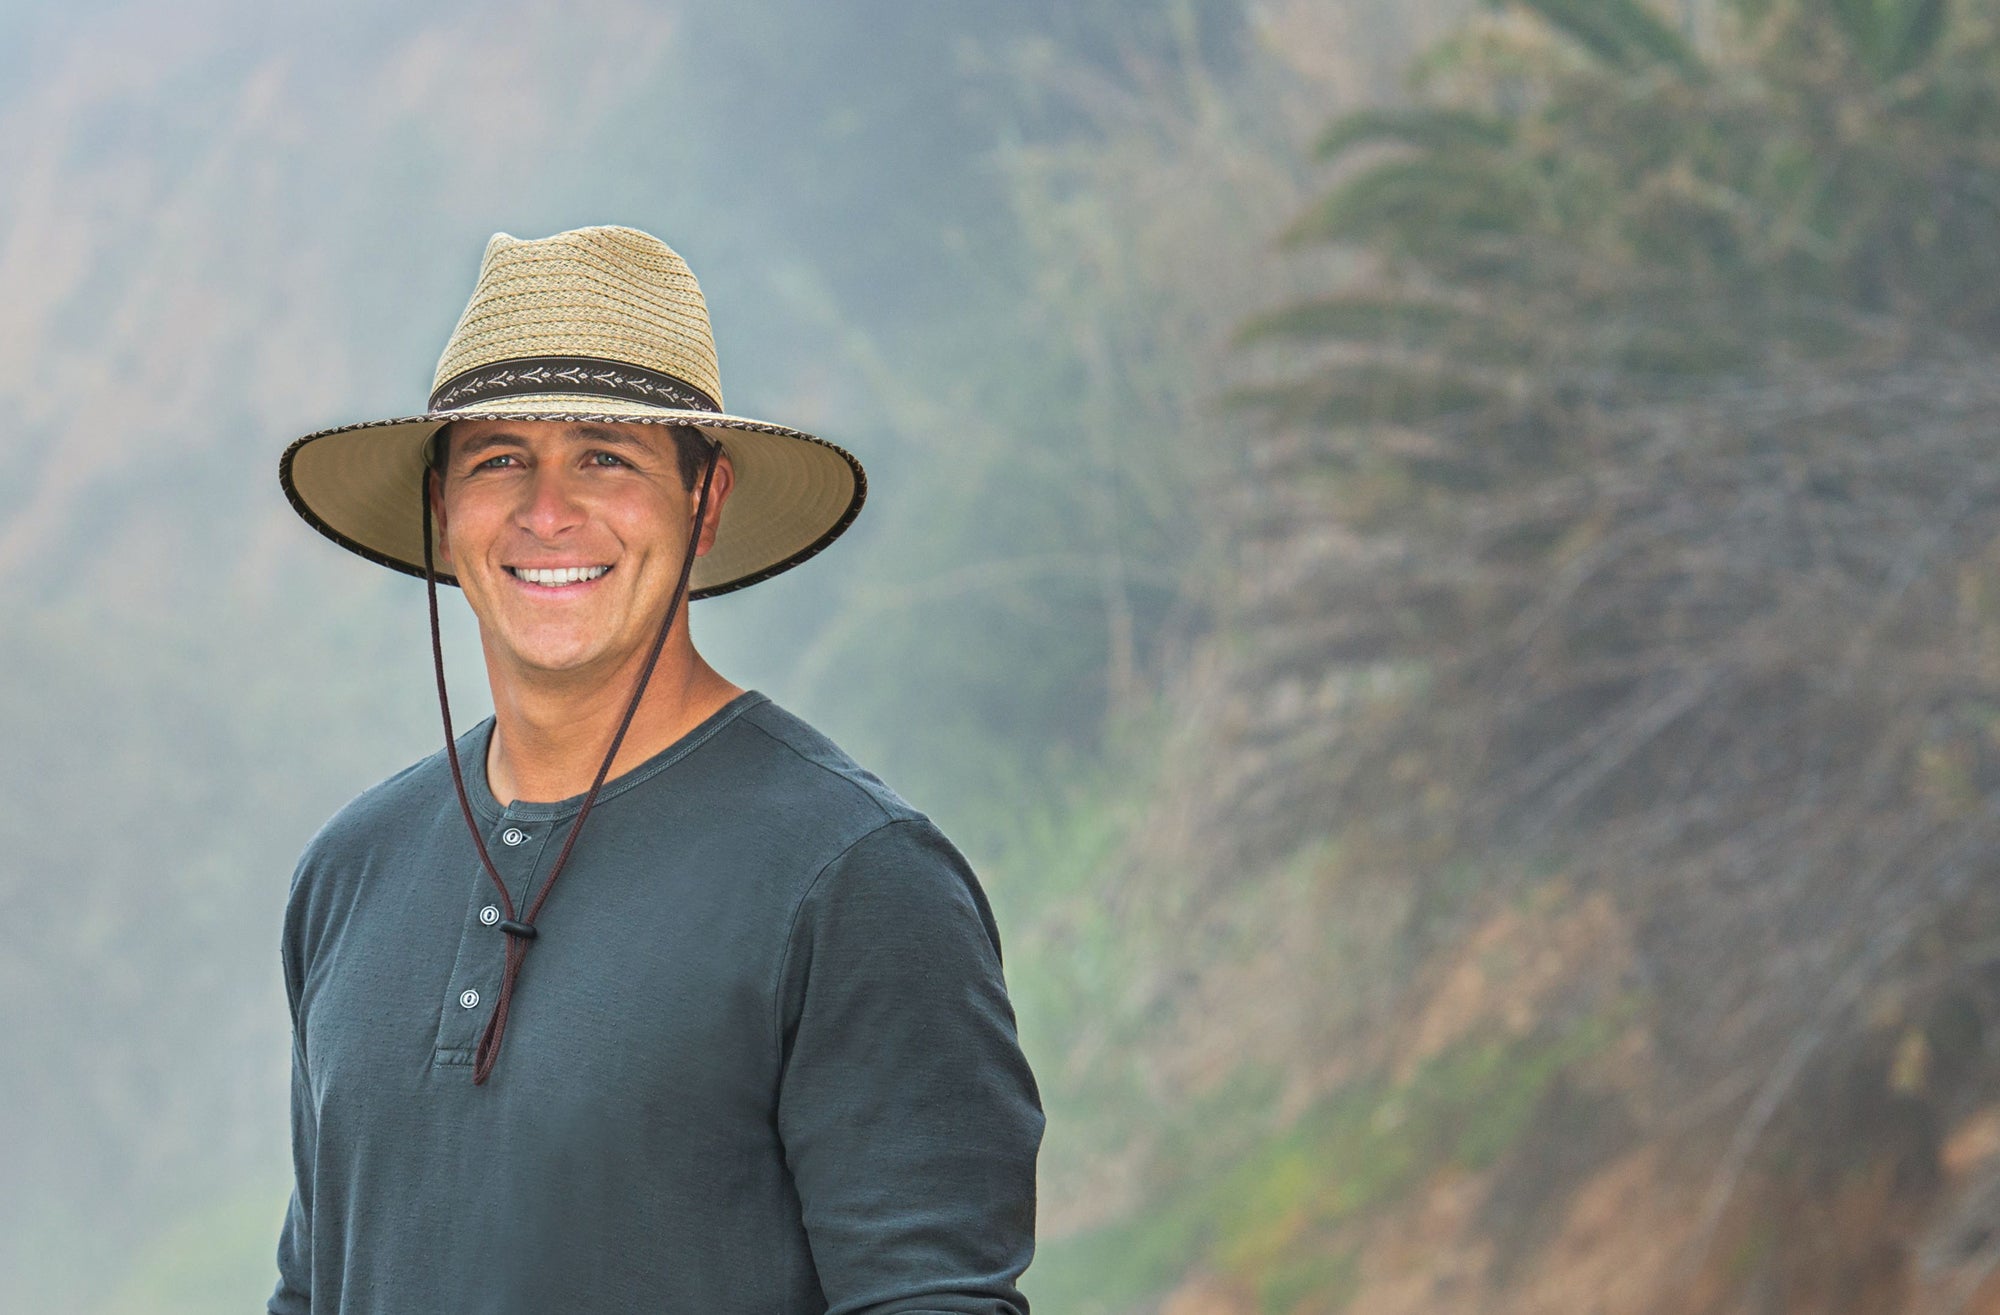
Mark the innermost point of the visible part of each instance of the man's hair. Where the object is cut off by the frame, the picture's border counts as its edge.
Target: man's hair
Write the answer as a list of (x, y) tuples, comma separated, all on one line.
[(691, 448)]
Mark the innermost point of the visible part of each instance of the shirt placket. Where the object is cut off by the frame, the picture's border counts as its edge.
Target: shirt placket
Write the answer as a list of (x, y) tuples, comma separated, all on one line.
[(518, 847)]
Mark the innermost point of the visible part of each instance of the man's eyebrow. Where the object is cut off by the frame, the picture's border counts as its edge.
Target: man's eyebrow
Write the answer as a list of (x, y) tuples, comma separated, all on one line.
[(466, 447), (610, 437)]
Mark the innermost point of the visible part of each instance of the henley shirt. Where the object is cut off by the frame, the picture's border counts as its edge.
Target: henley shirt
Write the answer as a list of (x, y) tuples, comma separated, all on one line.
[(759, 1059)]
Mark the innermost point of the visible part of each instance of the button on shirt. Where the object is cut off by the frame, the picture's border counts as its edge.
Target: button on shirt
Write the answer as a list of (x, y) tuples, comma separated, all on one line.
[(759, 1059)]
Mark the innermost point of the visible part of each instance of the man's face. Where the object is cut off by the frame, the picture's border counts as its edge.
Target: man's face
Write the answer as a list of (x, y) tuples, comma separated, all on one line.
[(567, 538)]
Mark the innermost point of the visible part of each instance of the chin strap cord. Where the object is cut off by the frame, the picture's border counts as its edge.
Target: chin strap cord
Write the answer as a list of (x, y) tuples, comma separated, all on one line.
[(521, 930)]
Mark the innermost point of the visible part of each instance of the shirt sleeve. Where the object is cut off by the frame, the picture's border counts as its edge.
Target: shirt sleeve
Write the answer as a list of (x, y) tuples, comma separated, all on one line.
[(294, 1292), (909, 1116)]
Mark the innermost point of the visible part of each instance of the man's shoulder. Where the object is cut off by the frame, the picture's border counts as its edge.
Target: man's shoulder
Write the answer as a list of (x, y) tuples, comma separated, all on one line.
[(806, 765), (830, 822), (386, 809)]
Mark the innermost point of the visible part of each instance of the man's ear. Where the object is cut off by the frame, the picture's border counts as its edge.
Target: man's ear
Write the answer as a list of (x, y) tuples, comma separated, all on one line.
[(718, 493)]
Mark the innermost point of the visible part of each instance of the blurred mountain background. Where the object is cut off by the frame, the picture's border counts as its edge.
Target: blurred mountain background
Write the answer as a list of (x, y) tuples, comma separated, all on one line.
[(1442, 559)]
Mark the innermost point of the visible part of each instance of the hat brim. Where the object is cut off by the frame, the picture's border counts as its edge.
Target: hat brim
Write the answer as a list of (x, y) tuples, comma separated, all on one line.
[(794, 493)]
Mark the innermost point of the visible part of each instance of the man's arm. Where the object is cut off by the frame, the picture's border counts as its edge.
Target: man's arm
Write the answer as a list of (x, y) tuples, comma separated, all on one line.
[(909, 1116), (294, 1292)]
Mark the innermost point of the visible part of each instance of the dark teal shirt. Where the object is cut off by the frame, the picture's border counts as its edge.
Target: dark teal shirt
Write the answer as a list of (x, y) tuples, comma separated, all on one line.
[(760, 1059)]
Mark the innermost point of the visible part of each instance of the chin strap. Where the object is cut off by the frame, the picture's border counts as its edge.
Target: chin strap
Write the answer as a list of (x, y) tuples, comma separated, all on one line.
[(521, 930)]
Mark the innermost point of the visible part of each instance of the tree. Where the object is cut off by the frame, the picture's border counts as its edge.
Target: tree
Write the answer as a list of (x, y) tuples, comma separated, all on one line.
[(1640, 515)]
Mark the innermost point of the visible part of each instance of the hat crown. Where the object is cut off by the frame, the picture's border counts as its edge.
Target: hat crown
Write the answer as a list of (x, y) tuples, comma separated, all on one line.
[(606, 293)]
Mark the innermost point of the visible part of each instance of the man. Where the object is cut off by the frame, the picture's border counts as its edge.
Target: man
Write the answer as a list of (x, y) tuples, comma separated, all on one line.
[(755, 1052)]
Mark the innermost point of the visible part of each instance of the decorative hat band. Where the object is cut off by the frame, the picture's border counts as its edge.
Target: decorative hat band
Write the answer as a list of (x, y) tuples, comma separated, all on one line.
[(569, 374)]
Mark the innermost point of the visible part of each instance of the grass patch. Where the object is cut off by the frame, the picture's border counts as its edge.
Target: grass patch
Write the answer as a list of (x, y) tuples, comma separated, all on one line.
[(1272, 1207)]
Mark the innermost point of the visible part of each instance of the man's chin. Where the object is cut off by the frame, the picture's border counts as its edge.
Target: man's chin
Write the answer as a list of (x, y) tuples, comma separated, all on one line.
[(562, 665), (553, 657)]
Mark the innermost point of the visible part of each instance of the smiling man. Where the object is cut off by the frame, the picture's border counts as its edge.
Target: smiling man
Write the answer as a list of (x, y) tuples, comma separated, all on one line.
[(755, 1053)]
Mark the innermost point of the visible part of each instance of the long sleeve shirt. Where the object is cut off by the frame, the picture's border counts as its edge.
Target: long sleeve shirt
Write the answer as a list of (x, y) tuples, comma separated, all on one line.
[(760, 1057)]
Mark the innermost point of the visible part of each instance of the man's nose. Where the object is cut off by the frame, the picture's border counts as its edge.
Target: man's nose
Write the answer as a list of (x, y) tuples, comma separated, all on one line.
[(551, 506)]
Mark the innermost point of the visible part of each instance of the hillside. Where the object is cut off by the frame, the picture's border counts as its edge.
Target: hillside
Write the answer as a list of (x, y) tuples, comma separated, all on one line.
[(1567, 879)]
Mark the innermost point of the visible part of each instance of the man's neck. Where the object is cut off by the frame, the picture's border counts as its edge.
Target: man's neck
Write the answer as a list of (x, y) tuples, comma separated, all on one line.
[(549, 740)]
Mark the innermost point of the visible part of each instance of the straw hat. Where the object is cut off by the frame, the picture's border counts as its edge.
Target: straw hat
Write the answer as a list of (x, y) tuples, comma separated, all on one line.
[(596, 324)]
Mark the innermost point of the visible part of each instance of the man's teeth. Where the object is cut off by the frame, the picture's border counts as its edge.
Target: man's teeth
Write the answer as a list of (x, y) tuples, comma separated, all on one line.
[(558, 575)]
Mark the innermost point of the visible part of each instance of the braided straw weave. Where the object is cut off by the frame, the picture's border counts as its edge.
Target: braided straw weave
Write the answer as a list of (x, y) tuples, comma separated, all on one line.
[(616, 309)]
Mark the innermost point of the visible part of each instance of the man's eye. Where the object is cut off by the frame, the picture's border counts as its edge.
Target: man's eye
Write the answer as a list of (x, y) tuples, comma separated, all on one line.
[(494, 461), (606, 459)]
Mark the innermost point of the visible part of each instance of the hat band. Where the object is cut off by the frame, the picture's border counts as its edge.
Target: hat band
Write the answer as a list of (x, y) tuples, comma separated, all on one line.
[(569, 374)]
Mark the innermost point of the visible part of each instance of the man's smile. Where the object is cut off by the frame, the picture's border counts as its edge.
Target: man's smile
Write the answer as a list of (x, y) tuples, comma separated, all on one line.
[(557, 577)]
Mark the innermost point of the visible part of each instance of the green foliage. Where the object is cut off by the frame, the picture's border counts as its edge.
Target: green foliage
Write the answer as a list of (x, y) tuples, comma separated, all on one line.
[(1073, 956), (1397, 201), (1271, 1207), (1328, 1279), (1891, 37), (1430, 127), (1625, 34), (1623, 219)]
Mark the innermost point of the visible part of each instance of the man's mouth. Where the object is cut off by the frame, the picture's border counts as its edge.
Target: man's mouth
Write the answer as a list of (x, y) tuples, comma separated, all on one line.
[(555, 577)]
